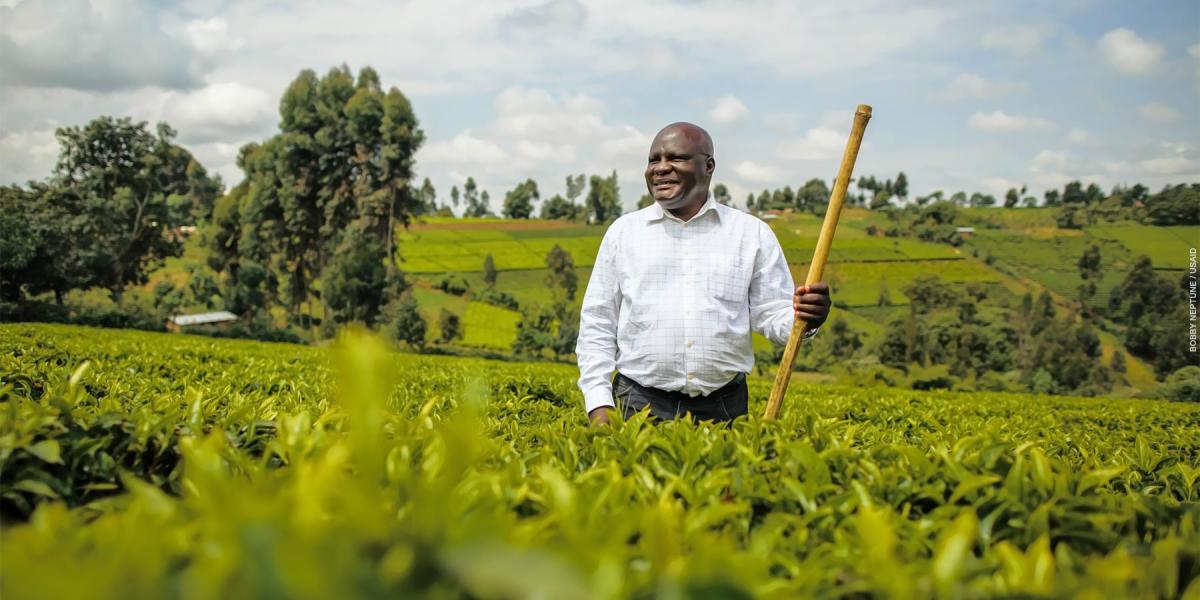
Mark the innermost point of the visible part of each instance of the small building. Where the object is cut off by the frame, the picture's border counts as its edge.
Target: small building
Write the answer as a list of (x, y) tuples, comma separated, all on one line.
[(965, 231), (220, 319)]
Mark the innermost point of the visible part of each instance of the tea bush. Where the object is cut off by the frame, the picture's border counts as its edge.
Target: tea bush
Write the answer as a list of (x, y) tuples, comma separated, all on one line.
[(150, 465)]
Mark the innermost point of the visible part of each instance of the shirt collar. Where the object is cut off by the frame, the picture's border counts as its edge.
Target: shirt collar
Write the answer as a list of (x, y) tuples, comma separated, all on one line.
[(710, 204)]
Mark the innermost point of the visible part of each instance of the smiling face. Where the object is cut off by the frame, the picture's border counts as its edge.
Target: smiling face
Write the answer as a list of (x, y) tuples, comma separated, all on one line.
[(680, 166)]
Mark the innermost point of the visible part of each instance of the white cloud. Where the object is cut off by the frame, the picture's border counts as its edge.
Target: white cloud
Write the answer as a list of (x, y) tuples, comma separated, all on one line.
[(1078, 136), (464, 149), (221, 111), (93, 46), (1159, 166), (546, 136), (211, 36), (970, 85), (753, 172), (27, 155), (1158, 112), (1000, 122), (1128, 53), (818, 143), (782, 122), (1194, 52), (1021, 40), (1048, 161), (729, 110)]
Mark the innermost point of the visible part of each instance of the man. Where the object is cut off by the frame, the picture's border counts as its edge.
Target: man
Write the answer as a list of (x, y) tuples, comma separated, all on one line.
[(675, 291)]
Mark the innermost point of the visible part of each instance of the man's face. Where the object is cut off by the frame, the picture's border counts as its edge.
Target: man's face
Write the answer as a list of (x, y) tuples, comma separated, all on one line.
[(678, 168)]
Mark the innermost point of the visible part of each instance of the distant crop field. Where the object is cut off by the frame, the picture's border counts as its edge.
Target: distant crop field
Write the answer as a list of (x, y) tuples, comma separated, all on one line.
[(1166, 246), (859, 283), (487, 326)]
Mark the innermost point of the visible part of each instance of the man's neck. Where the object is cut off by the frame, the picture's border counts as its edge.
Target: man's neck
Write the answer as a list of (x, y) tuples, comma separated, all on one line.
[(687, 211)]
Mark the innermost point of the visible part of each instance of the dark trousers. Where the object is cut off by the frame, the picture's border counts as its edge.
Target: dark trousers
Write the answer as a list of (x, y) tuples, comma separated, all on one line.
[(724, 404)]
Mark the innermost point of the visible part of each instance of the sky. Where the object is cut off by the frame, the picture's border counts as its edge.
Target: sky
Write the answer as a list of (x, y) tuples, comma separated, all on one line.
[(974, 96)]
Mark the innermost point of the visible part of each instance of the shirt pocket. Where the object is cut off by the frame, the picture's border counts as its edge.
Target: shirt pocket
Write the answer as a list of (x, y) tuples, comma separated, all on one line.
[(728, 278)]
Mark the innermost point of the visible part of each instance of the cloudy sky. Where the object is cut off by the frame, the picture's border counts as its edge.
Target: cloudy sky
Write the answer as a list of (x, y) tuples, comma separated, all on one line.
[(974, 96)]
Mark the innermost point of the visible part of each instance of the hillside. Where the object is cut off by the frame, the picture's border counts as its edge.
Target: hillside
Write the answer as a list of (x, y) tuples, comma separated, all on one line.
[(1012, 251)]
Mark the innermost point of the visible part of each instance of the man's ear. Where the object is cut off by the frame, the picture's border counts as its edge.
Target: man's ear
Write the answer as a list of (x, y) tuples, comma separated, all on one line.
[(710, 166)]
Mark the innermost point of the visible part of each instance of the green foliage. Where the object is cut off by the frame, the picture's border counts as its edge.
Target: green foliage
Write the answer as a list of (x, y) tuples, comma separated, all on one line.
[(476, 204), (560, 272), (238, 469), (518, 202), (403, 321), (558, 207), (453, 284), (603, 199), (1175, 205), (105, 217), (450, 326), (1151, 309), (1182, 385), (356, 282), (342, 161), (489, 271)]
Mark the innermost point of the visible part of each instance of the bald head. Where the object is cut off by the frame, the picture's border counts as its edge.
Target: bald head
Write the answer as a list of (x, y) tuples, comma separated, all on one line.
[(679, 168), (691, 132)]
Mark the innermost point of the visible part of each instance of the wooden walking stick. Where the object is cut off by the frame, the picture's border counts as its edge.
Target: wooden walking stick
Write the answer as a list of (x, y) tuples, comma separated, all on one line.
[(824, 242)]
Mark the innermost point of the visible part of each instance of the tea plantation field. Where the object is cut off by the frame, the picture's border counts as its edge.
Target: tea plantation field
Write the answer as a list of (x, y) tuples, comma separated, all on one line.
[(139, 465)]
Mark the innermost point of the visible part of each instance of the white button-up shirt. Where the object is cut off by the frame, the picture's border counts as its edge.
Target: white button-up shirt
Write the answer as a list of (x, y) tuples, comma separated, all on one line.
[(670, 304)]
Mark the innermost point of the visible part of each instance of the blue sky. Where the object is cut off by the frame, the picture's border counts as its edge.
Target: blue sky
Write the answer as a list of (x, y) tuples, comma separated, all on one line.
[(973, 96)]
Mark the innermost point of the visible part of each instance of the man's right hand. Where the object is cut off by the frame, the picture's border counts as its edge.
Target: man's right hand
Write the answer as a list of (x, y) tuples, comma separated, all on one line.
[(600, 415)]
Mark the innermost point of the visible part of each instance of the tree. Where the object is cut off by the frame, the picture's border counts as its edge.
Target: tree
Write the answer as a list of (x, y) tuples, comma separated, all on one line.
[(343, 155), (1052, 198), (1175, 205), (813, 196), (356, 281), (721, 194), (575, 185), (428, 197), (560, 269), (450, 326), (881, 200), (558, 207), (604, 199), (476, 202), (1011, 198), (1090, 274), (645, 200), (489, 271), (454, 196), (128, 187), (1149, 307), (901, 186), (404, 321), (518, 202)]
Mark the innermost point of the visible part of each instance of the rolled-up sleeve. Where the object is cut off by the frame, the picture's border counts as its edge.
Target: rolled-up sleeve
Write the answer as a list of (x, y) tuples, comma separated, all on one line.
[(771, 290), (596, 347)]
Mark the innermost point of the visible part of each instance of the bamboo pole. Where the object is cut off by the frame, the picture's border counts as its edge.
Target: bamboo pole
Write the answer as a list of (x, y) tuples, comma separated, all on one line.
[(820, 255)]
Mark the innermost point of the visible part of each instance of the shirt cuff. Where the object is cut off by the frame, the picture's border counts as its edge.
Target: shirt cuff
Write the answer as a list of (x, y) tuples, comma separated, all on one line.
[(595, 397)]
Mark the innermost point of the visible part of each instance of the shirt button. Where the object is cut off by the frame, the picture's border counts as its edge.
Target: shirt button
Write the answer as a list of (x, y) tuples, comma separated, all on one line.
[(690, 375), (689, 344)]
